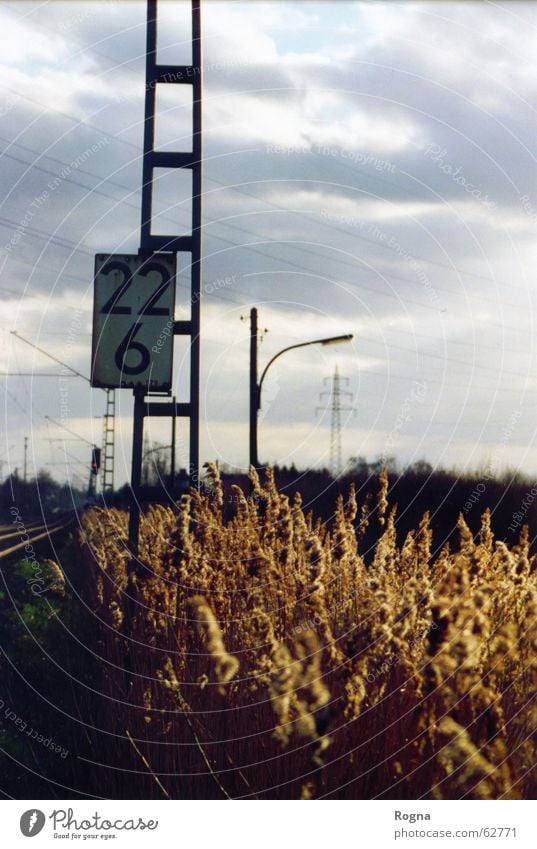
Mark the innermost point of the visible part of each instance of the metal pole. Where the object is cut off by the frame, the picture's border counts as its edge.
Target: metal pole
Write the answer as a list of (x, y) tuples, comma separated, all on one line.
[(136, 467), (196, 247), (145, 237), (172, 459), (254, 389), (25, 459), (149, 123)]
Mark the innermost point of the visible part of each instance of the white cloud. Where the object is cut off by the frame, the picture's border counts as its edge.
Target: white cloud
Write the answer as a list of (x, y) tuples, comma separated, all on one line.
[(23, 45)]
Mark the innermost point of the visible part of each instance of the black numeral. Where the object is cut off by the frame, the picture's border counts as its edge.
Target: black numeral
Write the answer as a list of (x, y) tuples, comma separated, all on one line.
[(150, 308), (112, 307), (129, 344)]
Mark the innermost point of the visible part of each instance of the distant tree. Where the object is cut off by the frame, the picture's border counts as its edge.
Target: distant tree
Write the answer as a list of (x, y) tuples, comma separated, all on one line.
[(47, 490), (421, 467), (38, 496), (358, 466)]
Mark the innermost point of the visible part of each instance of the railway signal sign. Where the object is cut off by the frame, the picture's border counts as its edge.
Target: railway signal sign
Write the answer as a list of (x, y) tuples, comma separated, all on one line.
[(95, 460), (133, 321)]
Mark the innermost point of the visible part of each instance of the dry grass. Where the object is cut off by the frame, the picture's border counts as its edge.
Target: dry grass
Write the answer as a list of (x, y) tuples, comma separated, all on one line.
[(263, 657)]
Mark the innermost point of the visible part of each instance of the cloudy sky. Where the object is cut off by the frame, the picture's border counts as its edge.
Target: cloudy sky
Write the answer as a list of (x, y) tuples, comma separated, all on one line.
[(369, 168)]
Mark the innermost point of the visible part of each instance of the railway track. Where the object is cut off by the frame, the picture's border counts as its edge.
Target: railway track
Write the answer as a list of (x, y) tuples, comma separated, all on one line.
[(18, 537)]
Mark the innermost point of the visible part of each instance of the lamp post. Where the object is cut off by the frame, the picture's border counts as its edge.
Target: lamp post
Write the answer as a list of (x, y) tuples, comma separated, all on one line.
[(154, 451), (256, 387)]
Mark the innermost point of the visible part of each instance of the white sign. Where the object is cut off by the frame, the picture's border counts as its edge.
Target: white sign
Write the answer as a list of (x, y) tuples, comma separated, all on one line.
[(133, 318)]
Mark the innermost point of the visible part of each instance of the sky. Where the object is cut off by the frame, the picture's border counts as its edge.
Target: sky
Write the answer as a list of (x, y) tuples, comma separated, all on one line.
[(369, 168)]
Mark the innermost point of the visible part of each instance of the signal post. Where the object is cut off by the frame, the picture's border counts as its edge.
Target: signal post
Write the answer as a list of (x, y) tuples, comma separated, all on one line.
[(134, 322)]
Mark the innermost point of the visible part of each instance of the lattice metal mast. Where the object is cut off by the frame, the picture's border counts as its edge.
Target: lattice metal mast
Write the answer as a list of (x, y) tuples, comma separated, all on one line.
[(108, 443), (335, 394)]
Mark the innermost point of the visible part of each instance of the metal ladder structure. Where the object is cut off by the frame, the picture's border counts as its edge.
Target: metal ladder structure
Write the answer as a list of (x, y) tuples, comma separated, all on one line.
[(166, 74), (107, 463)]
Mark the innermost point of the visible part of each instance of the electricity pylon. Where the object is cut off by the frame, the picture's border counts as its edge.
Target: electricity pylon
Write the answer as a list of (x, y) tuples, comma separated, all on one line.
[(335, 394)]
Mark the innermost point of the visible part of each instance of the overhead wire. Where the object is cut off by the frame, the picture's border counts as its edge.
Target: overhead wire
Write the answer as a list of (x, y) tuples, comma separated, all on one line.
[(253, 247)]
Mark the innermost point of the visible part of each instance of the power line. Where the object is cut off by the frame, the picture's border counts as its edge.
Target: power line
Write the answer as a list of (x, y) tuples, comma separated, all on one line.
[(91, 189), (344, 165), (50, 356), (299, 213), (72, 457), (364, 286), (15, 400), (8, 224), (242, 190), (293, 245), (81, 438)]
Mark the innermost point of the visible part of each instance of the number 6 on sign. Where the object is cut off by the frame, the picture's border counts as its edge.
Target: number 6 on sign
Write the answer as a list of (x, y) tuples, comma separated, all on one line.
[(133, 318)]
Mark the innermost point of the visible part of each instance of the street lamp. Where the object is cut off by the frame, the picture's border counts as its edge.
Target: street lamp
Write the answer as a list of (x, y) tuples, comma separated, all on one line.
[(255, 387), (155, 450)]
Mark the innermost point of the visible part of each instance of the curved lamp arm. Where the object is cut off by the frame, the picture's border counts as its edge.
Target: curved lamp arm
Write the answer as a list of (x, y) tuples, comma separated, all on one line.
[(332, 340), (154, 450)]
